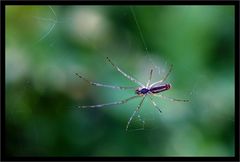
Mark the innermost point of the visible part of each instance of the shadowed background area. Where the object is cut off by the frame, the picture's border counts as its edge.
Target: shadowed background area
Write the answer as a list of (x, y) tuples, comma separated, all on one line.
[(47, 45)]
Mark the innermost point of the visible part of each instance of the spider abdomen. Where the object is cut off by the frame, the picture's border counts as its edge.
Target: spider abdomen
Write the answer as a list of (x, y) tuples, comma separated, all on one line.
[(160, 88)]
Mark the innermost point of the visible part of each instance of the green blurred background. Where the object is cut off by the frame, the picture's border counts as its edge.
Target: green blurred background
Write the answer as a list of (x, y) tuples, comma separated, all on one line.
[(47, 45)]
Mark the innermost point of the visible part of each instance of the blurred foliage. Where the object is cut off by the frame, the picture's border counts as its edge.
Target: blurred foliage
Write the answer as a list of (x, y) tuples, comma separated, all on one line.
[(47, 45)]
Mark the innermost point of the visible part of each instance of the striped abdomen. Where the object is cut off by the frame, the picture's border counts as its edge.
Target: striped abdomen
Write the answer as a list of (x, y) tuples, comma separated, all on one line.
[(160, 88)]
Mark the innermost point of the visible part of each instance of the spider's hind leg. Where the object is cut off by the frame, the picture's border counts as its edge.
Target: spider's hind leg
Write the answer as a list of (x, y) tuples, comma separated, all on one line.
[(171, 99), (154, 104)]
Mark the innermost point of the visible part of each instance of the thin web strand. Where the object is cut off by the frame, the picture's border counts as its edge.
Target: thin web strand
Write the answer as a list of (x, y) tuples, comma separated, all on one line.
[(142, 38), (134, 113), (54, 21), (53, 11), (49, 20), (141, 128), (45, 35), (150, 78)]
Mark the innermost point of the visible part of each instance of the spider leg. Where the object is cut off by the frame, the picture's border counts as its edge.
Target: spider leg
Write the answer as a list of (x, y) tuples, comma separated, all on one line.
[(104, 85), (154, 104), (124, 74), (150, 78), (134, 113), (171, 99), (109, 104), (165, 77)]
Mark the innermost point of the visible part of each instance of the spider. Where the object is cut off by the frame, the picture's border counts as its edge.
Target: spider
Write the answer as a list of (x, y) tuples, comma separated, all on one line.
[(149, 90)]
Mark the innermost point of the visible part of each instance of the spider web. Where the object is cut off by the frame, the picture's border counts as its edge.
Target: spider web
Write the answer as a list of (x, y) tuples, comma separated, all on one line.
[(192, 94)]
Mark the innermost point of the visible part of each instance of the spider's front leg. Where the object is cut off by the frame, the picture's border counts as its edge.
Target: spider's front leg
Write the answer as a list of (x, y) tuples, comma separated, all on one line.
[(164, 78), (124, 74), (104, 85)]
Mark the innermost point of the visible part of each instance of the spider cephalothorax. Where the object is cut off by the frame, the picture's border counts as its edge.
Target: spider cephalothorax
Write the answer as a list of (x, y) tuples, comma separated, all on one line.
[(141, 91)]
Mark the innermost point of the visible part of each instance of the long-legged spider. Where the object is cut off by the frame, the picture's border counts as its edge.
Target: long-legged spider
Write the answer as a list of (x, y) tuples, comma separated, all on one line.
[(149, 90)]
